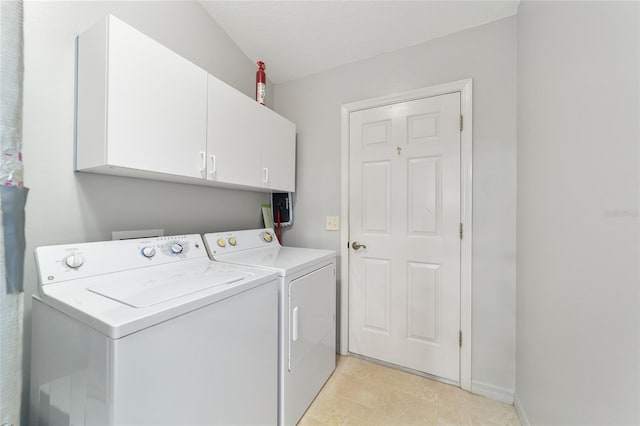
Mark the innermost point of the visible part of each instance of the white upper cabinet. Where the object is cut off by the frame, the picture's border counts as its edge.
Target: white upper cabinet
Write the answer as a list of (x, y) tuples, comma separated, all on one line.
[(278, 152), (145, 111), (247, 143), (141, 106), (233, 138)]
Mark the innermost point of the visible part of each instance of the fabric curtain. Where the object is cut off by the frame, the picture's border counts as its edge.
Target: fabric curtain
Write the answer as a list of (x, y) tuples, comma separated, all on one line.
[(13, 196)]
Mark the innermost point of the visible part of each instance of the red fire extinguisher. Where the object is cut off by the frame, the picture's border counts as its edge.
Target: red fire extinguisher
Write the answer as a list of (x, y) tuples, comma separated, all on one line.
[(261, 80)]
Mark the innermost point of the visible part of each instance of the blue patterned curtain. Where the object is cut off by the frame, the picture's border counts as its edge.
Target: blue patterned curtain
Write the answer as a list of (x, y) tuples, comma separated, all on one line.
[(13, 196)]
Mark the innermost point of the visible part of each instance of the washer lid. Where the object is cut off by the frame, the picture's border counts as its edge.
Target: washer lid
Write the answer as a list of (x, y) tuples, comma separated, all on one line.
[(122, 303), (156, 290)]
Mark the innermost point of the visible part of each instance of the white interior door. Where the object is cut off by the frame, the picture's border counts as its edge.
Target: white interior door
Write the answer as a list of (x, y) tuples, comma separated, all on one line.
[(404, 198)]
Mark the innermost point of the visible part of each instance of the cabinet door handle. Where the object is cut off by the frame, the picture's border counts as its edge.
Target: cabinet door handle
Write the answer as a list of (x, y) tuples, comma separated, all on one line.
[(212, 173), (203, 168), (265, 172)]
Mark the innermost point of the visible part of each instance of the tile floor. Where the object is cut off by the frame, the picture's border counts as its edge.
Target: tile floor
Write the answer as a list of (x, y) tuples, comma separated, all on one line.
[(363, 393)]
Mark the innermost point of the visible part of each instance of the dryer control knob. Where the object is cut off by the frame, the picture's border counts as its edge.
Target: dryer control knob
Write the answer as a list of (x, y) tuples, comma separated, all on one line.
[(175, 248), (148, 252), (221, 242), (74, 261), (233, 241)]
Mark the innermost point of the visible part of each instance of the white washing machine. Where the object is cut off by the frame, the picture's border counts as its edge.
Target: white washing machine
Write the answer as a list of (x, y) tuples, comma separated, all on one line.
[(307, 337), (152, 332)]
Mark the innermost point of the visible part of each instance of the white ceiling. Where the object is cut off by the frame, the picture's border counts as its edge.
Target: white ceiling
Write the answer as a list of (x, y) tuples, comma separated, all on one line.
[(299, 38)]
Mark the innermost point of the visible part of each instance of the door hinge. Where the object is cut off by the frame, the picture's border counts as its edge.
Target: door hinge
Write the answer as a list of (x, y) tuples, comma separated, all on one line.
[(460, 338), (461, 123), (461, 230)]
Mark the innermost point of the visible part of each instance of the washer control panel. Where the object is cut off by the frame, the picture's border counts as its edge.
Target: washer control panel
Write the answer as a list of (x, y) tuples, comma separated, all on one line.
[(72, 261), (234, 241)]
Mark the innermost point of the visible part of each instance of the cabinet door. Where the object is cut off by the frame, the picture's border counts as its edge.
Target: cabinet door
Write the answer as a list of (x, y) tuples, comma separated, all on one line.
[(233, 136), (157, 106), (278, 152)]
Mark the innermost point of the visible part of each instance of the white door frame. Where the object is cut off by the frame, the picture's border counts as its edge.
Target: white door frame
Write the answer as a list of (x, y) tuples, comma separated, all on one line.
[(465, 88)]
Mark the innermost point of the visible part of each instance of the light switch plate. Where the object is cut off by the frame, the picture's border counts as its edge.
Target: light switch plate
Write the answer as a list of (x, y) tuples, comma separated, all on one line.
[(333, 223)]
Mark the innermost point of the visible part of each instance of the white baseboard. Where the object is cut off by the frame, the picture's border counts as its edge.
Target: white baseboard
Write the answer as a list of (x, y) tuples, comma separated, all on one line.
[(493, 392), (524, 421)]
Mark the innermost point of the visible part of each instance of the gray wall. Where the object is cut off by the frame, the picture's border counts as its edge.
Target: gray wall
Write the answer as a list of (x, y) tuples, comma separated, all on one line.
[(488, 55), (578, 202), (64, 207)]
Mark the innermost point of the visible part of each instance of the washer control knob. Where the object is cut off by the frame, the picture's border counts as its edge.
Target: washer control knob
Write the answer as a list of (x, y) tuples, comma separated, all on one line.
[(148, 252), (221, 242), (233, 241), (175, 248), (267, 236), (74, 261)]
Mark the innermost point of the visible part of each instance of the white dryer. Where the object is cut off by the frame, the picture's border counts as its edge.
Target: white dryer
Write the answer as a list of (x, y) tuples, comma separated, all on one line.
[(152, 332), (307, 330)]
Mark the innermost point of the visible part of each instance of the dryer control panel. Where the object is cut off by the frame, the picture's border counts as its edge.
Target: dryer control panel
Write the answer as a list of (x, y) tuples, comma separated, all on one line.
[(73, 261), (235, 241)]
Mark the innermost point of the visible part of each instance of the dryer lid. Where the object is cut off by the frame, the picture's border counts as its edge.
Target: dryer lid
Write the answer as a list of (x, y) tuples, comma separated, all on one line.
[(284, 260), (155, 290)]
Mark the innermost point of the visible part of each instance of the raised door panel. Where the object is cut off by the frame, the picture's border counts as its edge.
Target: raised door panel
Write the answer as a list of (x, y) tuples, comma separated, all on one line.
[(423, 302), (377, 289), (424, 201), (376, 198), (157, 105), (233, 136)]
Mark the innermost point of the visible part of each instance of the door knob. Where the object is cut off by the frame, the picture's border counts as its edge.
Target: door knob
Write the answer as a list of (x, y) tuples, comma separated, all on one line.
[(357, 246)]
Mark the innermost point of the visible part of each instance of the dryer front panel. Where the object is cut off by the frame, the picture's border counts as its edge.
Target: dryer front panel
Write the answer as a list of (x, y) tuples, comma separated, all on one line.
[(311, 316)]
